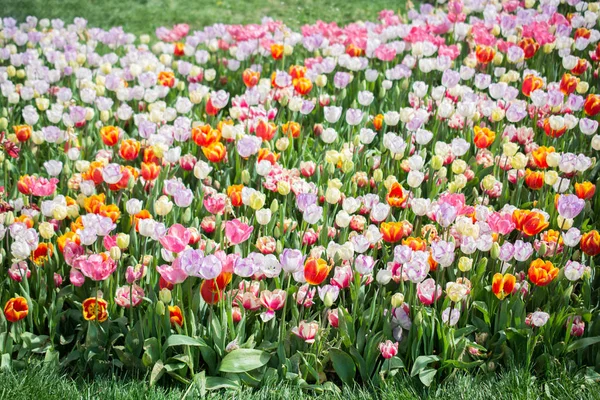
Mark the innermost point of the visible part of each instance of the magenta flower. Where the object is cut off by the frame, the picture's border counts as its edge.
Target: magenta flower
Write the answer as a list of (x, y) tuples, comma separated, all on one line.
[(172, 273), (237, 232), (97, 267), (176, 239), (388, 349), (306, 331)]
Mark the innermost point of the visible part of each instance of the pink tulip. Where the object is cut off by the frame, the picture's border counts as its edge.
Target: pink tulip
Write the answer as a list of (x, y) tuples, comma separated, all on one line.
[(173, 274), (342, 276), (76, 277), (428, 292), (306, 331), (97, 267), (18, 271), (215, 204), (237, 231), (44, 187), (176, 239), (126, 295), (333, 317), (272, 301), (388, 349)]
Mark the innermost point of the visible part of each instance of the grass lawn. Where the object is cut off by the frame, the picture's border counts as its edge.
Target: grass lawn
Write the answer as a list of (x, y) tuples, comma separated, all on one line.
[(143, 16), (39, 383)]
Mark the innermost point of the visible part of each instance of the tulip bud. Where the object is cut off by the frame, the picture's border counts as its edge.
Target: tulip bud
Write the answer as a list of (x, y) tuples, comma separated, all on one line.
[(436, 163), (495, 251), (283, 188), (245, 177), (276, 233), (3, 123), (123, 241), (115, 253), (488, 182), (274, 206), (165, 295), (160, 308), (466, 263), (321, 80), (378, 175), (564, 223), (187, 215), (397, 300), (279, 247)]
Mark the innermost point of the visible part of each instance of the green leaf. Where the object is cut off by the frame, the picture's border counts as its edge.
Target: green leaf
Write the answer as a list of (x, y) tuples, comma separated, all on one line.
[(582, 343), (182, 340), (426, 376), (244, 360), (216, 383), (157, 372), (421, 363), (343, 365)]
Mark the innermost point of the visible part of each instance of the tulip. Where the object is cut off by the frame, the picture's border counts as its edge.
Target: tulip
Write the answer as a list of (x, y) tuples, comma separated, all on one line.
[(541, 272), (175, 316), (529, 222), (590, 243), (316, 270), (503, 285), (16, 309), (585, 190), (95, 308), (306, 331), (237, 232), (428, 291), (388, 349)]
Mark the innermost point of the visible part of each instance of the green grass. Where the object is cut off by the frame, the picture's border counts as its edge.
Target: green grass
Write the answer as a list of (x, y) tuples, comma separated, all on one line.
[(40, 383), (143, 16)]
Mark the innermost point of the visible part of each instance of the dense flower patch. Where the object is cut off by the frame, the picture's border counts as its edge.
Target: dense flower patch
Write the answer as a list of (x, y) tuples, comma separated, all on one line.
[(413, 196)]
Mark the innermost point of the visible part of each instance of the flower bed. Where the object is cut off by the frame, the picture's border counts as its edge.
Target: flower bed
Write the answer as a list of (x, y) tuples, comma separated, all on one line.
[(414, 195)]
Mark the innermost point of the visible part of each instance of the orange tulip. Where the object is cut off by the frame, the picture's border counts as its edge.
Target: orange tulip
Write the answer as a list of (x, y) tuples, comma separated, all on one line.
[(530, 84), (580, 68), (539, 156), (484, 137), (25, 184), (396, 196), (112, 211), (291, 128), (144, 214), (216, 152), (205, 135), (266, 154), (590, 243), (166, 78), (485, 54), (277, 51), (354, 51), (529, 46), (585, 190), (303, 86), (95, 309), (591, 105), (297, 71), (178, 49), (503, 285), (542, 272), (42, 253), (150, 155), (93, 203), (582, 33), (150, 171), (378, 121), (63, 239), (16, 309), (250, 77), (175, 315), (415, 243), (23, 132), (530, 222), (110, 135), (265, 130), (392, 231), (129, 150), (315, 270), (94, 173), (534, 179), (568, 84), (235, 194)]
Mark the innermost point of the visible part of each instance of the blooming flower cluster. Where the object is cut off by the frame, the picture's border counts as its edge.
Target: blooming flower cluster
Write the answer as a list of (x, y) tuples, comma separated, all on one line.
[(415, 192)]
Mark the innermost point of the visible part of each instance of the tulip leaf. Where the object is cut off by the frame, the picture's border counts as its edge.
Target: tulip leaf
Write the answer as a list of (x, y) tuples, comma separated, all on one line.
[(421, 363), (244, 360), (182, 340), (582, 343), (343, 365), (427, 375)]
